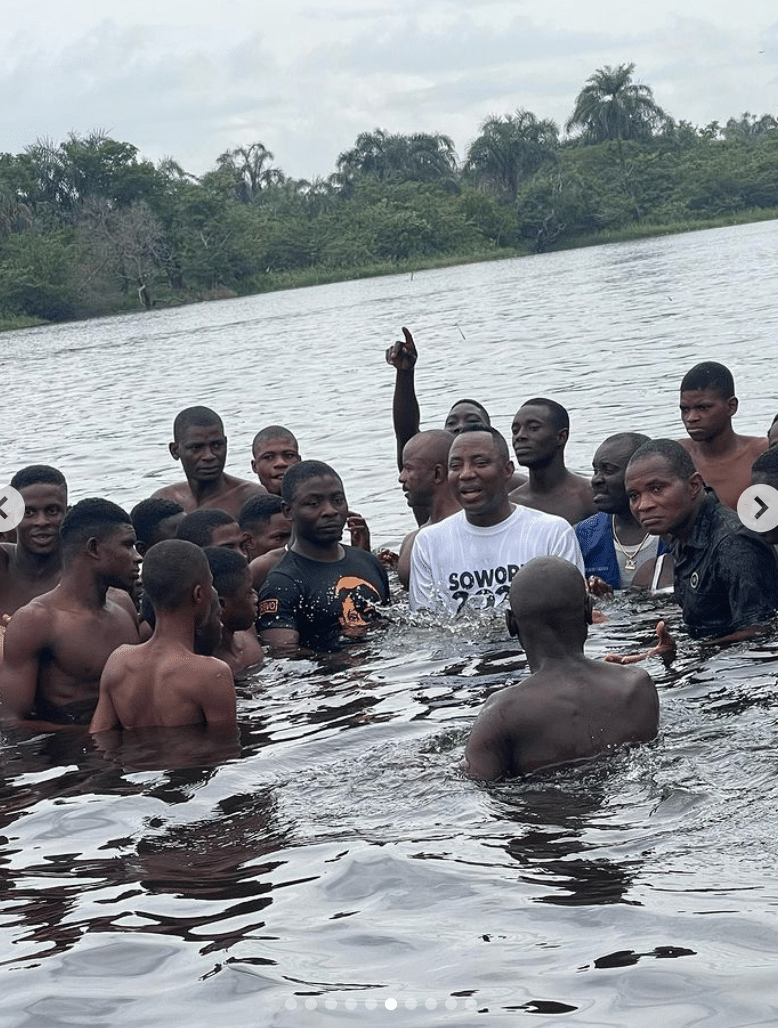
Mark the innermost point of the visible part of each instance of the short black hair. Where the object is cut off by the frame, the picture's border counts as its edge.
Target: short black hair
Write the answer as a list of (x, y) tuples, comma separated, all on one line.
[(674, 455), (709, 375), (767, 463), (198, 526), (147, 514), (203, 417), (473, 403), (559, 415), (36, 474), (299, 473), (499, 439), (171, 569), (259, 510), (632, 440), (90, 518), (228, 568), (273, 432)]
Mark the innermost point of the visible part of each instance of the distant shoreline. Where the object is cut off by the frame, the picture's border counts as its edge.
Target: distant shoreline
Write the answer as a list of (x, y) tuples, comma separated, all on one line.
[(315, 276)]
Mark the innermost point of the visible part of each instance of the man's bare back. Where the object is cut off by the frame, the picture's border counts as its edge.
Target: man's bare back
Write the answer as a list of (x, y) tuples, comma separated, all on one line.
[(729, 473), (570, 708), (573, 711), (163, 684)]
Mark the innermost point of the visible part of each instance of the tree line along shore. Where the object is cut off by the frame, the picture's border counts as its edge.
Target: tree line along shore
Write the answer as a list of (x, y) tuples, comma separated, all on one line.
[(87, 228)]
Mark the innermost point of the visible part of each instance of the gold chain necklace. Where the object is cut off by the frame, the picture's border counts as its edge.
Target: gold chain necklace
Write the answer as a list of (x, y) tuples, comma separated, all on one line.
[(629, 554)]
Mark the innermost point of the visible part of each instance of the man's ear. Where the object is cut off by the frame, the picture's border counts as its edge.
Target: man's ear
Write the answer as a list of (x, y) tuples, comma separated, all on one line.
[(141, 547), (93, 546), (286, 510), (254, 466), (440, 474), (174, 451), (732, 404), (197, 594), (588, 607), (696, 484), (563, 435)]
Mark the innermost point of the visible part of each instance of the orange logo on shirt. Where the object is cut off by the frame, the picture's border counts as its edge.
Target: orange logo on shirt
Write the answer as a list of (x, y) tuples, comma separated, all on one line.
[(358, 599)]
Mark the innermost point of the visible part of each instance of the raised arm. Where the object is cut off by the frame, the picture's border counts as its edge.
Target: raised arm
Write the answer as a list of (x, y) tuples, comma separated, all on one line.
[(405, 407)]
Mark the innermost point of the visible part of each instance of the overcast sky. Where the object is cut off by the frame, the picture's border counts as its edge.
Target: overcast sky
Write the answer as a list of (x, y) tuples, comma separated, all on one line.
[(189, 79)]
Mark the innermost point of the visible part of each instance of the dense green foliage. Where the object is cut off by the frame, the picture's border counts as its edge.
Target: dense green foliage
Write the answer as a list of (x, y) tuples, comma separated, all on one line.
[(87, 227)]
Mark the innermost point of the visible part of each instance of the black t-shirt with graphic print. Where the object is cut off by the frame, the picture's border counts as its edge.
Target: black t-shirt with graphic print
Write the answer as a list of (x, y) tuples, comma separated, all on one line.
[(327, 603)]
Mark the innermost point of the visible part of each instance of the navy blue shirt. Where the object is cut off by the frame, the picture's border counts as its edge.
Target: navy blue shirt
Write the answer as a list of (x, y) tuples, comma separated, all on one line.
[(726, 577)]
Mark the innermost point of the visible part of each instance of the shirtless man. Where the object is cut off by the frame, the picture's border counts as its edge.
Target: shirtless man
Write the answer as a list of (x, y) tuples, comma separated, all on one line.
[(155, 520), (273, 451), (724, 459), (56, 647), (402, 356), (570, 708), (212, 527), (424, 480), (33, 566), (239, 646), (540, 431), (201, 446), (163, 682)]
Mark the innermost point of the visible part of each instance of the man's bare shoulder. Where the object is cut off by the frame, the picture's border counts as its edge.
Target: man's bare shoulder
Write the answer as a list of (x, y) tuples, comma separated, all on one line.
[(753, 445), (245, 486), (179, 492)]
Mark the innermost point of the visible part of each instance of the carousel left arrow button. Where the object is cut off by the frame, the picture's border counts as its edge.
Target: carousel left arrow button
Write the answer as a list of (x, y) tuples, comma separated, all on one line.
[(11, 508)]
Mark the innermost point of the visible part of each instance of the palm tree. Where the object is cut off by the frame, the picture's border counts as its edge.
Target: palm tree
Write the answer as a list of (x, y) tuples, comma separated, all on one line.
[(613, 107), (248, 167), (511, 149), (422, 157)]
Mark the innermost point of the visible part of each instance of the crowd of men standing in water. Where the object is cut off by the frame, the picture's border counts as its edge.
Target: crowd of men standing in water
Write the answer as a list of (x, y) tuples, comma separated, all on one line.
[(234, 569)]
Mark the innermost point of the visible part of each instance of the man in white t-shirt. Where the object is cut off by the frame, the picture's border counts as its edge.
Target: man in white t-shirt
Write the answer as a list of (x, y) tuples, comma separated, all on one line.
[(469, 559)]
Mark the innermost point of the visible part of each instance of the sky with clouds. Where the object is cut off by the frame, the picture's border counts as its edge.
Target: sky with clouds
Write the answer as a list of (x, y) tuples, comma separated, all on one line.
[(189, 79)]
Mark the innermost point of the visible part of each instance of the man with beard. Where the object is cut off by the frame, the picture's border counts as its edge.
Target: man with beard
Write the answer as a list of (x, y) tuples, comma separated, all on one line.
[(469, 560)]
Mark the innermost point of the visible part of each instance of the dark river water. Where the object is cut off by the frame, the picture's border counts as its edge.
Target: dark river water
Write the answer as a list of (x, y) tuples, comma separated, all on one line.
[(335, 868)]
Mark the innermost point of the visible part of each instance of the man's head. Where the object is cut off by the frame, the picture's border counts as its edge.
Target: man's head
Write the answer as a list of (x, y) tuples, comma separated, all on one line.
[(176, 576), (274, 450), (232, 581), (99, 534), (539, 431), (45, 495), (548, 597), (315, 502), (263, 524), (764, 471), (208, 526), (609, 465), (479, 470), (708, 400), (663, 487), (425, 466), (154, 520), (200, 444), (465, 412)]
